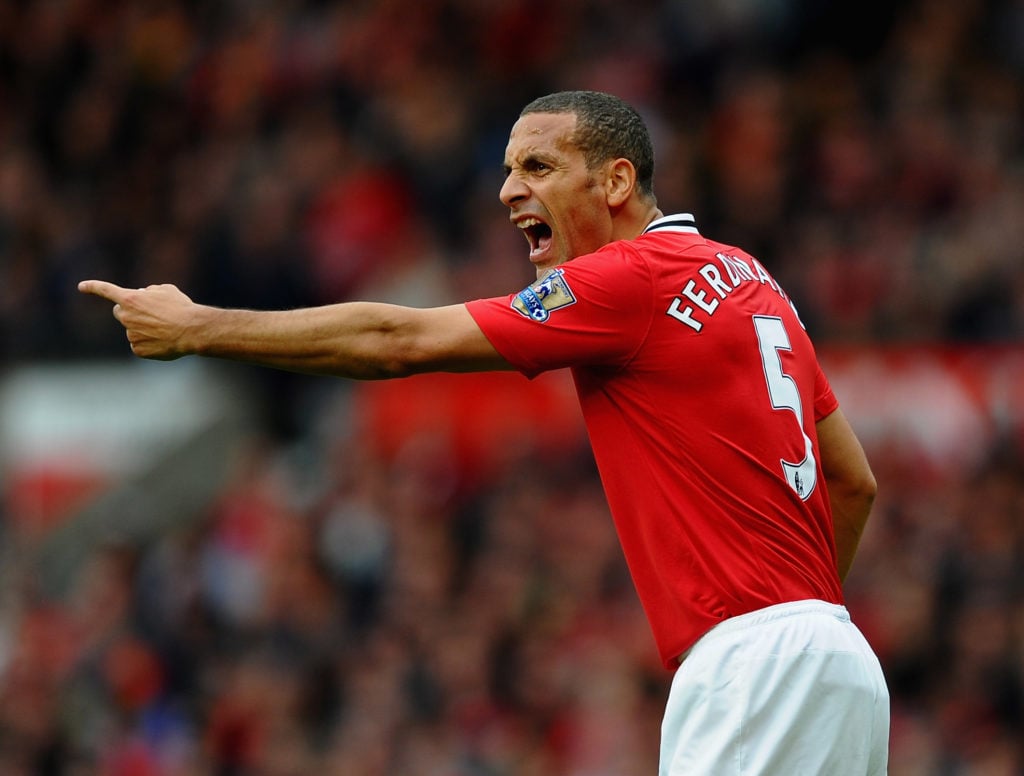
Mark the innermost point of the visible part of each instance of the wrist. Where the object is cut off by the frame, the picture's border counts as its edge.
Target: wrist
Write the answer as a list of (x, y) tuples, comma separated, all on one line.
[(195, 339)]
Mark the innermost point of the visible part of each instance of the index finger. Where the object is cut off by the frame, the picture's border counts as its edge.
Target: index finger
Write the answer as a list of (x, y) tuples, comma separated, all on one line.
[(102, 288)]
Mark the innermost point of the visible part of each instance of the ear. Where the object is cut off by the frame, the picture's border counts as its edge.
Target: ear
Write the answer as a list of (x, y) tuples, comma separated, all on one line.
[(620, 181)]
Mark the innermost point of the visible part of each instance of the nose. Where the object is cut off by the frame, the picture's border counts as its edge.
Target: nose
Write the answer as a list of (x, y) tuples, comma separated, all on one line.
[(513, 190)]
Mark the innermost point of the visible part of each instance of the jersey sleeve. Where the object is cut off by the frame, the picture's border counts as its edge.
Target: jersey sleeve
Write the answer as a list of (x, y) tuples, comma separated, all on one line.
[(825, 401), (592, 311)]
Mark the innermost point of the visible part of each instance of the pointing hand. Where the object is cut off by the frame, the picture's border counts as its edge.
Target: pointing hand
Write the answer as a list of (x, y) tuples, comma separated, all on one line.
[(155, 318)]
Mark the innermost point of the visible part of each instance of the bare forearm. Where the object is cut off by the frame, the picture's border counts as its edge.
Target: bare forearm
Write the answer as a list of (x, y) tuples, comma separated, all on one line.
[(362, 340), (359, 340)]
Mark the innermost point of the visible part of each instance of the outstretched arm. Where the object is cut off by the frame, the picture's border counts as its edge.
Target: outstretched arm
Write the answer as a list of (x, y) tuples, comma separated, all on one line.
[(850, 482), (361, 340)]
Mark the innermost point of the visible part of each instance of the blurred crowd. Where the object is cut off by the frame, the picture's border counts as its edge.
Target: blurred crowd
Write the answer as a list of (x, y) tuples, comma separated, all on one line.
[(342, 609)]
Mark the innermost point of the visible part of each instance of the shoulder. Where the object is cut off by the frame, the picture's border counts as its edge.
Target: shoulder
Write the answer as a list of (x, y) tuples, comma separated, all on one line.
[(622, 257), (620, 270)]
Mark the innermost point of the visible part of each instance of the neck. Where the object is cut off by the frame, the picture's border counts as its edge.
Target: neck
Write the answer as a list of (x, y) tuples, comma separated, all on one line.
[(653, 215), (634, 219)]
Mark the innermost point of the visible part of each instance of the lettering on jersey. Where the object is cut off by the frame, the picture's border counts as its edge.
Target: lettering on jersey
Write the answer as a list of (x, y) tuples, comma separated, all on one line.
[(701, 296), (548, 294)]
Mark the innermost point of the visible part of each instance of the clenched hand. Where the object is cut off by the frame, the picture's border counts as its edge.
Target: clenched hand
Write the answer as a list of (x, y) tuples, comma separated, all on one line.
[(155, 318)]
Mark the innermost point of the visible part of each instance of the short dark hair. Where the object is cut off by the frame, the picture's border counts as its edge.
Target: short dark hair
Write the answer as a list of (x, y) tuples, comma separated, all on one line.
[(606, 128)]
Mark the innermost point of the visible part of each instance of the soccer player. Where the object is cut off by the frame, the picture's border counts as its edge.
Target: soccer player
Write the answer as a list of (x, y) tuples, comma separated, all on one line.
[(738, 489)]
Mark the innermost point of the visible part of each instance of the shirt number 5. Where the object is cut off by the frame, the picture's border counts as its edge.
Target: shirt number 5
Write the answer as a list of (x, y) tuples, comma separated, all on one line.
[(784, 395)]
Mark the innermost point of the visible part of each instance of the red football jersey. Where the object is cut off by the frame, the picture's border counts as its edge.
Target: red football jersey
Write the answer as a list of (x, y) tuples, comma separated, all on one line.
[(700, 391)]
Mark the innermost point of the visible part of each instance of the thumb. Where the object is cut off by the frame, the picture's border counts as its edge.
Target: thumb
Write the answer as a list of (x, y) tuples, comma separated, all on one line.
[(102, 288)]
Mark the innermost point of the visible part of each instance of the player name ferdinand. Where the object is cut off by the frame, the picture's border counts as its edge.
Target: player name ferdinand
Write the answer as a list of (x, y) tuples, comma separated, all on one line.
[(703, 296)]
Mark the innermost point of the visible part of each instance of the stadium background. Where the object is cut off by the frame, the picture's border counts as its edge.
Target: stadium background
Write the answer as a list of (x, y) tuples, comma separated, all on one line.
[(213, 569)]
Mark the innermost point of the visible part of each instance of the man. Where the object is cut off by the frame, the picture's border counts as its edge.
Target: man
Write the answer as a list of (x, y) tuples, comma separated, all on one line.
[(738, 489)]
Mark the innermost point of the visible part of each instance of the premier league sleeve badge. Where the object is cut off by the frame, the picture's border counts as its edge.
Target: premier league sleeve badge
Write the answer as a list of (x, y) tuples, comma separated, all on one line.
[(539, 300)]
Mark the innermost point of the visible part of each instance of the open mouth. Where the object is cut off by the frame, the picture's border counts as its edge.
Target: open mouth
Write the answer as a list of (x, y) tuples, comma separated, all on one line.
[(538, 234)]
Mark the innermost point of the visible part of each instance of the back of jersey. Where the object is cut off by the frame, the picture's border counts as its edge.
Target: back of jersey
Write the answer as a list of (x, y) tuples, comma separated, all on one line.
[(706, 443)]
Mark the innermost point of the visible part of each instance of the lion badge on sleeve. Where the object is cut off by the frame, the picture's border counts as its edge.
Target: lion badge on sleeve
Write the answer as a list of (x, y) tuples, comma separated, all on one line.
[(539, 300)]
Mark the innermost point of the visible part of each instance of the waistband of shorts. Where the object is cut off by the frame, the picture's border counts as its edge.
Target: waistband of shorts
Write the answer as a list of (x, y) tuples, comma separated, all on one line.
[(772, 613)]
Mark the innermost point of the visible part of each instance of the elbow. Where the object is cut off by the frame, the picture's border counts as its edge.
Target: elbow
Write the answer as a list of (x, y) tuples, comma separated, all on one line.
[(390, 358), (862, 493), (375, 367), (387, 348), (853, 481), (869, 488), (853, 496)]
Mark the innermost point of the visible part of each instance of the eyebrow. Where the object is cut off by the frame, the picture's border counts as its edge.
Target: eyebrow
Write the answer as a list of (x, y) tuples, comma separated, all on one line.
[(532, 158)]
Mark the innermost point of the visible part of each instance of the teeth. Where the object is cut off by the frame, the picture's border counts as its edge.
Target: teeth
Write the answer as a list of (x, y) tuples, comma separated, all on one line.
[(526, 223)]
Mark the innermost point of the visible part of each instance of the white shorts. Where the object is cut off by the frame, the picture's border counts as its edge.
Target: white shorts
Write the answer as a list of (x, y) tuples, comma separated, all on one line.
[(789, 690)]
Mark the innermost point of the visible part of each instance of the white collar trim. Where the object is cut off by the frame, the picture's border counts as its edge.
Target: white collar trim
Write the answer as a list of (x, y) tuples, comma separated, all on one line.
[(679, 222)]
